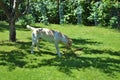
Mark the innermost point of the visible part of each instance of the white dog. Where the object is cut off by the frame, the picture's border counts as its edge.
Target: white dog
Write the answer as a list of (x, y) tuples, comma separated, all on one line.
[(50, 36)]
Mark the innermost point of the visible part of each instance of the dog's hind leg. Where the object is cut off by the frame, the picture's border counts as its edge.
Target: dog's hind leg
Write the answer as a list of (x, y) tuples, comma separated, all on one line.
[(32, 47), (37, 44), (34, 42)]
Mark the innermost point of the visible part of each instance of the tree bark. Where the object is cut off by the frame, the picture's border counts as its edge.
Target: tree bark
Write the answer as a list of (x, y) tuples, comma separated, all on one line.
[(61, 12), (12, 31)]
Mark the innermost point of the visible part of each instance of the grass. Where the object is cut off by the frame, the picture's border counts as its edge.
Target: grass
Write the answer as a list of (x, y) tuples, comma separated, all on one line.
[(98, 59)]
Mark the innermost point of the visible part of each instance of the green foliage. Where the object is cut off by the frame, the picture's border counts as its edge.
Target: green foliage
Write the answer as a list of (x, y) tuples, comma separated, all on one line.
[(41, 10), (113, 22), (27, 19), (87, 12), (2, 15), (104, 12)]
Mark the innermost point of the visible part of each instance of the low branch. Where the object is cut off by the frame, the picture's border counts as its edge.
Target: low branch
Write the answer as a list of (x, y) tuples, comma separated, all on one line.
[(19, 14), (15, 9), (15, 5), (27, 8)]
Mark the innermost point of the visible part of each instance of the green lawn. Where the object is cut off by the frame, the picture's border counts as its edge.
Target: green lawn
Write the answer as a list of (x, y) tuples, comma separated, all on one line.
[(97, 59)]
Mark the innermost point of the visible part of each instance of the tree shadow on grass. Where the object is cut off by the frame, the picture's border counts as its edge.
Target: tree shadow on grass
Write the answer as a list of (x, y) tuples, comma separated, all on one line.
[(3, 26), (85, 41), (15, 57), (71, 60), (87, 50), (66, 63), (12, 59), (18, 44), (99, 51)]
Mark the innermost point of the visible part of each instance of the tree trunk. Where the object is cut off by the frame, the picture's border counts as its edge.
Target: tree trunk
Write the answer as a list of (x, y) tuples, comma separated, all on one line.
[(79, 18), (61, 12), (12, 31)]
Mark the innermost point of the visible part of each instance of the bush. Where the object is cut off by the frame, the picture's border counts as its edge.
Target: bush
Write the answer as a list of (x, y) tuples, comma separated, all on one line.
[(27, 19), (113, 22)]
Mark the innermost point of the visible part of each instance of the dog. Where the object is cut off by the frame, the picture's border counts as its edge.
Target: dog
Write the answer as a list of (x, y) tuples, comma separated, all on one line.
[(49, 35)]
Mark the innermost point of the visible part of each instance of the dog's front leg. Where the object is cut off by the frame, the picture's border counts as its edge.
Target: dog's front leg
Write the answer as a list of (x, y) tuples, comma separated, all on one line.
[(57, 49), (34, 42)]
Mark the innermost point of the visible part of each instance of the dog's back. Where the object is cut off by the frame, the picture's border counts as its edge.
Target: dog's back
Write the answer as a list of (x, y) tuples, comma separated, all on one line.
[(46, 34)]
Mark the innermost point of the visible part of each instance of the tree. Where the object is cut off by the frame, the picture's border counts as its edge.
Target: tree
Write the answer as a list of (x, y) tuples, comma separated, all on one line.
[(44, 13), (61, 11), (79, 10), (13, 9)]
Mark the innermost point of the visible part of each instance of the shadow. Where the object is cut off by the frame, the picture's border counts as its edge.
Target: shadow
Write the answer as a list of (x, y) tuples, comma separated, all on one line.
[(98, 51), (87, 50), (47, 52), (71, 60), (3, 26), (85, 41), (23, 45), (16, 58), (68, 63), (18, 44), (12, 59), (77, 43)]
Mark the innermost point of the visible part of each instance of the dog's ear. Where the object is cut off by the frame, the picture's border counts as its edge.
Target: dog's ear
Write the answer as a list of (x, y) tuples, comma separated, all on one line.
[(69, 42)]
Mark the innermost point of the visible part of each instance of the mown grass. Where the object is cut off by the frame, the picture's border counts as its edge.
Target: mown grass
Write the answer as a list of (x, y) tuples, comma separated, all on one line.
[(97, 56)]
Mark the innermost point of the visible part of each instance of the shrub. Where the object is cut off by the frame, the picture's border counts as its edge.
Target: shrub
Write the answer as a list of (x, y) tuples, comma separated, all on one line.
[(27, 19)]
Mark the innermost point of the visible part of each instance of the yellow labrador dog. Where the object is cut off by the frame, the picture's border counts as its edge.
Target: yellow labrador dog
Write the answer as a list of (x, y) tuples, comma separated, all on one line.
[(50, 36)]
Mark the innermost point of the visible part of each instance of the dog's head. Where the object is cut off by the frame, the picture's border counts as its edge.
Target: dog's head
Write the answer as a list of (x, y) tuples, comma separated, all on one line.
[(69, 43)]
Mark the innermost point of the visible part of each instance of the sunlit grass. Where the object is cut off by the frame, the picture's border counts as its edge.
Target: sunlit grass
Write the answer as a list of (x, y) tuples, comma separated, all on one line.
[(97, 57)]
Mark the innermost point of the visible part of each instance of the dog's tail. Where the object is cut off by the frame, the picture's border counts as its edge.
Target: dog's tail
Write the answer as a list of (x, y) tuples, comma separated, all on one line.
[(29, 27)]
